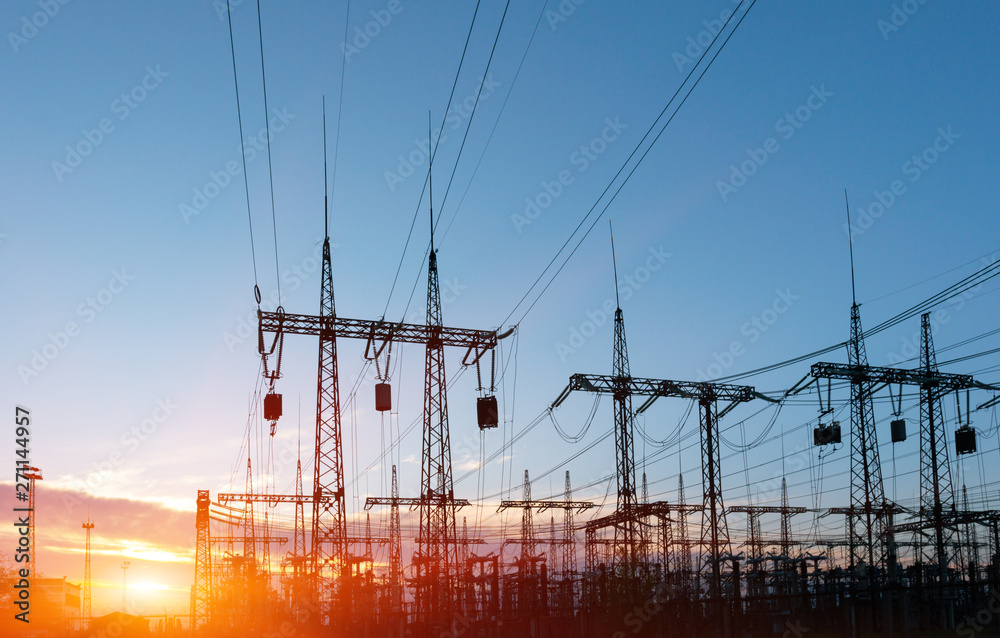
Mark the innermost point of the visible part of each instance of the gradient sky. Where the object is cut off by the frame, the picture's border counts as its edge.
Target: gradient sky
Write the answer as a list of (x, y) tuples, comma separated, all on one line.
[(826, 96)]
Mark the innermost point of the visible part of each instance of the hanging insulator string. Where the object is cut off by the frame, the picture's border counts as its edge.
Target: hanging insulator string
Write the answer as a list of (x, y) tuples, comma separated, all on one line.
[(493, 371)]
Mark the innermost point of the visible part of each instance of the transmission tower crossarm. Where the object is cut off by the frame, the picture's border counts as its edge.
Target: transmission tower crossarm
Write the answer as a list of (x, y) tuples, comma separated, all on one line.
[(875, 374), (477, 341), (272, 499), (541, 506), (655, 388), (413, 503)]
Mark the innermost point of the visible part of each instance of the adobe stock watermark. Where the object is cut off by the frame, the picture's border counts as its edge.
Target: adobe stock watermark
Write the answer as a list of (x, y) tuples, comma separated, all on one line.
[(898, 17), (581, 159), (129, 441), (752, 330), (122, 106), (219, 180), (627, 286), (293, 278), (786, 127), (909, 346), (913, 168), (363, 37), (972, 625), (88, 310), (699, 42), (769, 491), (31, 27), (562, 12), (458, 112), (222, 7)]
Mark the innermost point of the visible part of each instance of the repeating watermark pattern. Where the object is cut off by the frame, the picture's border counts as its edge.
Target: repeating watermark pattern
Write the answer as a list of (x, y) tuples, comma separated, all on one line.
[(457, 113), (581, 159), (699, 42), (88, 311), (293, 278), (913, 169), (970, 626), (637, 618), (562, 12), (122, 106), (363, 37), (769, 491), (129, 441), (752, 329), (785, 127), (222, 7), (32, 26), (900, 15), (909, 346), (597, 317), (219, 180)]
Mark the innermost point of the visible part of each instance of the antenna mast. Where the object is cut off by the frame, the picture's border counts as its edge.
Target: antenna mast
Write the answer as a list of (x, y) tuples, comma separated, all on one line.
[(430, 177), (614, 264), (850, 242), (326, 193)]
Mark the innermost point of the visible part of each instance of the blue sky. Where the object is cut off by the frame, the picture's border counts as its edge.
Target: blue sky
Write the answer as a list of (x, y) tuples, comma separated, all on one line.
[(824, 96)]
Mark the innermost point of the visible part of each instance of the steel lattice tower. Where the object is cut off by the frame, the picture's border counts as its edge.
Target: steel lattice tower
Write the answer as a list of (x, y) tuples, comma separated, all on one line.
[(299, 542), (683, 539), (528, 545), (329, 519), (866, 537), (395, 549), (714, 531), (569, 533), (786, 521), (87, 601), (936, 494), (202, 595), (625, 556), (437, 559), (249, 527)]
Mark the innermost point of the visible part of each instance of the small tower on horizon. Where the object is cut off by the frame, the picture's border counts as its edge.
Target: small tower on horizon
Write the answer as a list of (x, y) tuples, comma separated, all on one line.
[(86, 577)]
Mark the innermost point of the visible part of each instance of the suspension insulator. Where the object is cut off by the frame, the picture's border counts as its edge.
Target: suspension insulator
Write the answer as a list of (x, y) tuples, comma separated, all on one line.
[(486, 410), (898, 430), (965, 440), (827, 434), (272, 406), (383, 397)]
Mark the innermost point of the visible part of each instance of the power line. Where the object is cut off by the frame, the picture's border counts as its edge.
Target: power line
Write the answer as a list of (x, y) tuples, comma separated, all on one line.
[(243, 155), (431, 152), (489, 139), (625, 164), (270, 173), (340, 103)]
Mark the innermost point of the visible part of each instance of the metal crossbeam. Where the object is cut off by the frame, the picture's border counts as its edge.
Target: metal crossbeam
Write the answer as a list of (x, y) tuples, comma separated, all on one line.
[(767, 509), (239, 539), (477, 341), (541, 506), (414, 503), (273, 499), (655, 388), (944, 381)]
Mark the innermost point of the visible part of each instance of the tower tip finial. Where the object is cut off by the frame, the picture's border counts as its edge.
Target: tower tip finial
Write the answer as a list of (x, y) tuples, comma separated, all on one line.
[(326, 196), (430, 177)]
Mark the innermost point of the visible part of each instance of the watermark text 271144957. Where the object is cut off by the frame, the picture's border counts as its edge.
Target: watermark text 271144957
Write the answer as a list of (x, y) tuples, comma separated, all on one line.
[(23, 522)]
